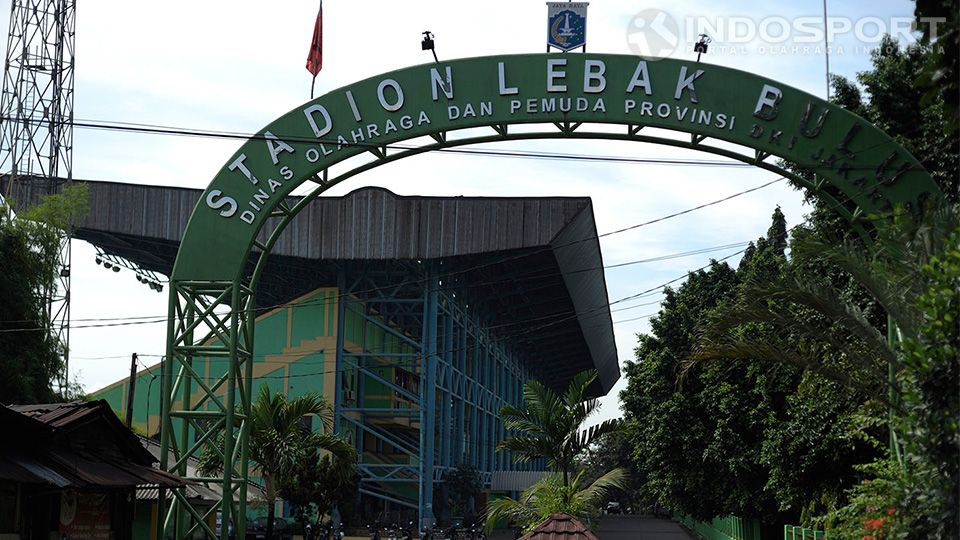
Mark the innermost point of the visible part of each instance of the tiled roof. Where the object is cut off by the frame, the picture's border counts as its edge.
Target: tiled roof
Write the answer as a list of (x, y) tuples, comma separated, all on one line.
[(560, 527)]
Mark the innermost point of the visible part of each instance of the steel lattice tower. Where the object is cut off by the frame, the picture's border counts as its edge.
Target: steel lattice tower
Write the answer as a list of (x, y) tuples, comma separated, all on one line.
[(36, 144)]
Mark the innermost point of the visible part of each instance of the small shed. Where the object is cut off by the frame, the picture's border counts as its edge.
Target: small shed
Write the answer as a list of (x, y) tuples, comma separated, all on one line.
[(69, 470), (560, 527)]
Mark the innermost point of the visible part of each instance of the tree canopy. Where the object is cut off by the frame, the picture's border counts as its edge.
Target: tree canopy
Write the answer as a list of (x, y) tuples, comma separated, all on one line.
[(30, 356), (770, 391)]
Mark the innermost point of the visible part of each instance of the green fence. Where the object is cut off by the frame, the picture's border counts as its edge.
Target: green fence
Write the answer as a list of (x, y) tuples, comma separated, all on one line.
[(792, 532), (726, 528)]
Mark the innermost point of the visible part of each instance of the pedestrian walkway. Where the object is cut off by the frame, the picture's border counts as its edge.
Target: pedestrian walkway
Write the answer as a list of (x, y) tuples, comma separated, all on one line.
[(639, 528)]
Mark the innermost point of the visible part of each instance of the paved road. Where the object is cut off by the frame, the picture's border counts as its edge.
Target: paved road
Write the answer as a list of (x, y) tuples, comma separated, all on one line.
[(638, 528)]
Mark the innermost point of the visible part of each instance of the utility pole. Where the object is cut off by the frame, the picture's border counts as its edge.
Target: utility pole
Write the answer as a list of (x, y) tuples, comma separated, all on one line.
[(131, 389), (36, 130)]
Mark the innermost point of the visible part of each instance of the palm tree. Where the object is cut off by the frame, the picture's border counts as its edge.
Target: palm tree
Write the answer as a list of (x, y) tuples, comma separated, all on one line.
[(279, 443), (807, 314), (549, 424), (549, 496)]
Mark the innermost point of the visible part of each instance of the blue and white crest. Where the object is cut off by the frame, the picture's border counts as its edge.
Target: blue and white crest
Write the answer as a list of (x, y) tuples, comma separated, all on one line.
[(567, 25)]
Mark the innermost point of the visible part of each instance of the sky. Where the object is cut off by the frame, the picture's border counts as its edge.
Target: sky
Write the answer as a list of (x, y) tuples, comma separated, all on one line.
[(235, 66)]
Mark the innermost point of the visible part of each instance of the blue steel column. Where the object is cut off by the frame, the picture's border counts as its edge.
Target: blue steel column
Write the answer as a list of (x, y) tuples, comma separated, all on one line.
[(485, 452), (497, 423), (339, 364), (428, 404), (446, 406), (474, 411), (459, 428)]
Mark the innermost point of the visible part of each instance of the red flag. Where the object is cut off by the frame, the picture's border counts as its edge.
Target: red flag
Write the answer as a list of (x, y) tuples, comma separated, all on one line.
[(315, 56)]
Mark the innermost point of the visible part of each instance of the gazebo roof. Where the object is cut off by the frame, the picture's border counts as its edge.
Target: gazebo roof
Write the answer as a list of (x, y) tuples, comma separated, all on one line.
[(560, 527)]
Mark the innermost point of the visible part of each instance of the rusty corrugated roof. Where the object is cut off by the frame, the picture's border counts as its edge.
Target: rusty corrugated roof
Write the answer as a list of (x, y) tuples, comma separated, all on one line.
[(25, 469), (78, 444), (560, 527), (72, 421), (58, 415)]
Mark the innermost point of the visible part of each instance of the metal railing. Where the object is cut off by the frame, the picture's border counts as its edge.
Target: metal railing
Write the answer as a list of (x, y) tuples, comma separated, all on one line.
[(793, 532), (722, 528)]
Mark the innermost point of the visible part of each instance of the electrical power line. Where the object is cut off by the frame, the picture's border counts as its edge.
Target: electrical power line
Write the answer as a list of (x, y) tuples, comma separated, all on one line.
[(162, 318), (137, 320), (154, 129)]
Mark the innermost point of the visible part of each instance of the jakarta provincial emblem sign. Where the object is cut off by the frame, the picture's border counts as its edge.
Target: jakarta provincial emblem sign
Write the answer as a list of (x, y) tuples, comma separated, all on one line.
[(567, 25)]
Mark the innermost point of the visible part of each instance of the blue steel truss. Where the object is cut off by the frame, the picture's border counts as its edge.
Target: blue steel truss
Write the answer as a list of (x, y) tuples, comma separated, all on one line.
[(445, 379)]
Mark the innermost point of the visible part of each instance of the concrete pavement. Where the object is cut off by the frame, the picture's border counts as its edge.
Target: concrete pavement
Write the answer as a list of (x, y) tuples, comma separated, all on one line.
[(639, 528)]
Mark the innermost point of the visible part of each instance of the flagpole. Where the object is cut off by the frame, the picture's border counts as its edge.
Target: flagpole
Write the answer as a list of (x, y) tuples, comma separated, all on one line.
[(313, 82), (826, 43)]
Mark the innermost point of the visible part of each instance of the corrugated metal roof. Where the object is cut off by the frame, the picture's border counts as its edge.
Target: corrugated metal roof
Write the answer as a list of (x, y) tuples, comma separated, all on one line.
[(514, 480), (57, 415), (560, 527), (194, 492), (72, 421), (81, 444), (206, 491), (25, 469), (87, 470), (574, 330)]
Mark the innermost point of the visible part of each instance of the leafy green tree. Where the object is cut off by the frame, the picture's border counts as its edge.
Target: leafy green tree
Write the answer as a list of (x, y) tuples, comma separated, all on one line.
[(553, 494), (827, 430), (889, 97), (738, 435), (788, 390), (320, 483), (550, 424), (668, 427), (813, 325), (931, 404), (279, 443), (941, 71), (829, 314), (919, 499), (30, 357), (614, 451), (462, 485)]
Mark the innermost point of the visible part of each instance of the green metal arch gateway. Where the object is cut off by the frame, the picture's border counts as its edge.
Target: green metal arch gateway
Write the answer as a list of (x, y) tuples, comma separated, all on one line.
[(469, 101)]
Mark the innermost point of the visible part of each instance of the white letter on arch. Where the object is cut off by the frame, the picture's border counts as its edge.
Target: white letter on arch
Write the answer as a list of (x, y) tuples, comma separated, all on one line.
[(436, 81), (275, 146), (390, 107), (553, 74), (318, 131), (594, 81), (502, 79)]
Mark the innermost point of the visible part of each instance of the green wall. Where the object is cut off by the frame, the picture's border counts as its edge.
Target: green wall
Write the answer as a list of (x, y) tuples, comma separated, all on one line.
[(288, 356)]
